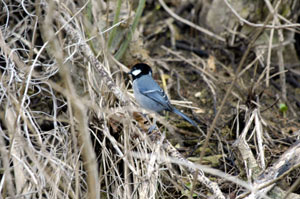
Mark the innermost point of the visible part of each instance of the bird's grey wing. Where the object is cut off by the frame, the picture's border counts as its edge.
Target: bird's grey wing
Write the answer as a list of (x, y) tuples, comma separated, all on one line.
[(159, 96)]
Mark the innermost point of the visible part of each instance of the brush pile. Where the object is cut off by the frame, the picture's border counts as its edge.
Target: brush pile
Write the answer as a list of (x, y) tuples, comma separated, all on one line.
[(69, 125)]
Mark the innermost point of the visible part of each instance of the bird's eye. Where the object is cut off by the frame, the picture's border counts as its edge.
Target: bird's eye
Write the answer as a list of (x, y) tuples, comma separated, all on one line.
[(136, 72)]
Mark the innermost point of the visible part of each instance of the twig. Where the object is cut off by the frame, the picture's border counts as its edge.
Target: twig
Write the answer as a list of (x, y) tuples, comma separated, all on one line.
[(288, 162), (205, 31), (246, 153), (279, 51), (259, 25), (80, 110), (269, 54), (292, 188), (105, 77), (6, 177), (231, 86), (213, 187), (189, 62), (156, 137), (259, 135), (211, 128)]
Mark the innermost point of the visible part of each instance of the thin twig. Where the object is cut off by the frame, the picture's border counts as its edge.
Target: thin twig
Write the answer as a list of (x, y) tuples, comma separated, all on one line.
[(259, 25), (205, 31)]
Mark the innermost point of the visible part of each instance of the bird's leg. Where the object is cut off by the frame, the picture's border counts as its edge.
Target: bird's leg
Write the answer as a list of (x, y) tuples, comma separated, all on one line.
[(153, 126), (147, 121)]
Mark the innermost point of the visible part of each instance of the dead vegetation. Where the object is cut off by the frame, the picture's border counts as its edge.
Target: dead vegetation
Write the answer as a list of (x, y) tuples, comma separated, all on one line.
[(70, 127)]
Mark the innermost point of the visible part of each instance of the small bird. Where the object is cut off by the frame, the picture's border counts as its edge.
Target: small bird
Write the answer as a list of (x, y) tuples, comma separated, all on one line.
[(149, 94)]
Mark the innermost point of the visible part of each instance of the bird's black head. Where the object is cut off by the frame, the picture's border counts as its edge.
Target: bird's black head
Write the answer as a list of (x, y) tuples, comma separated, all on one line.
[(139, 70)]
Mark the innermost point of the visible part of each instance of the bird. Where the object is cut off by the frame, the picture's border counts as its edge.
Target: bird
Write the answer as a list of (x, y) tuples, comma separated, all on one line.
[(149, 95)]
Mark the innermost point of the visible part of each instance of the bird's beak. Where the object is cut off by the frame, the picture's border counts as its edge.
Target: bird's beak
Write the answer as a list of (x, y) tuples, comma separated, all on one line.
[(129, 73)]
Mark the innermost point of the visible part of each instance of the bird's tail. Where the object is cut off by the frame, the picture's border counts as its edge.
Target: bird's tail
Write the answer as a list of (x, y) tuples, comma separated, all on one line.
[(184, 116)]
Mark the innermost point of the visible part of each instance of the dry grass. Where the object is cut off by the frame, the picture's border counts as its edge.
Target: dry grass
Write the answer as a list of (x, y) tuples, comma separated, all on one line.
[(69, 127)]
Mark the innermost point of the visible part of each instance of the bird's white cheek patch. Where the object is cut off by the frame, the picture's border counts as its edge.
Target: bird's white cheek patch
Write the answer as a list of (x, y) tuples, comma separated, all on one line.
[(136, 72)]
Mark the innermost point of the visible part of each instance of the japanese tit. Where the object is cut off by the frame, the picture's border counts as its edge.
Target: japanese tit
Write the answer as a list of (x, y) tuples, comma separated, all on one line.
[(149, 94)]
